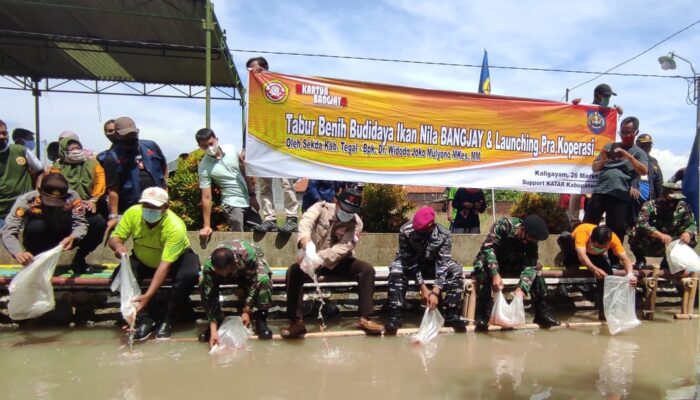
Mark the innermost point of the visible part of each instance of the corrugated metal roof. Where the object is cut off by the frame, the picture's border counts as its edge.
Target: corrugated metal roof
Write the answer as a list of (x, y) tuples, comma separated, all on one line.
[(156, 41)]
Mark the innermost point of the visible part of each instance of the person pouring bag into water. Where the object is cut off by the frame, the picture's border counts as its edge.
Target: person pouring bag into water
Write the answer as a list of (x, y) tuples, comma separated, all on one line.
[(47, 217), (588, 245), (87, 178), (660, 222), (334, 229), (161, 250), (242, 263), (511, 247), (425, 248)]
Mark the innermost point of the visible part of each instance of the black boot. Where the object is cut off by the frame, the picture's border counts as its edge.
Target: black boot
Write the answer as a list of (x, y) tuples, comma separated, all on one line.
[(543, 318), (484, 305), (394, 324), (261, 328), (205, 336), (454, 321)]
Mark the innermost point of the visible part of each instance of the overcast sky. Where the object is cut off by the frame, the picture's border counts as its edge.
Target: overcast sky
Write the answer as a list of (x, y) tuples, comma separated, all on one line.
[(592, 36)]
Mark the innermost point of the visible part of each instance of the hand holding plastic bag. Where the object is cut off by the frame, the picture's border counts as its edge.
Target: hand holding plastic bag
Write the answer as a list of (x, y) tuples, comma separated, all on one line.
[(680, 257), (31, 292), (429, 326), (310, 261), (125, 283), (233, 335), (507, 315), (618, 304)]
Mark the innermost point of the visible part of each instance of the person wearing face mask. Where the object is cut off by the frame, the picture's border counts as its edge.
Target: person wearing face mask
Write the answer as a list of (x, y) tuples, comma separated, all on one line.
[(333, 230), (52, 215), (86, 177), (588, 245), (17, 165), (227, 171), (647, 187), (161, 250), (617, 165), (25, 137), (242, 263), (425, 250), (511, 247), (108, 161), (139, 164), (660, 222)]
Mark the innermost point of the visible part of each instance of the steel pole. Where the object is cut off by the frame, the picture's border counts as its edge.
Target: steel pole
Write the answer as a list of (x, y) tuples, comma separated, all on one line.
[(37, 126), (207, 83)]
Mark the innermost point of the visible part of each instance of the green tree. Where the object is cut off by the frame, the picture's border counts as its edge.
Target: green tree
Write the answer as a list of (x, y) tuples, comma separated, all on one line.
[(384, 207), (546, 205)]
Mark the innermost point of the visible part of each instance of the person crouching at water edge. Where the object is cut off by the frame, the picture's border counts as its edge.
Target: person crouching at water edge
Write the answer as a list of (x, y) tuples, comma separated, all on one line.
[(511, 247), (334, 229), (242, 263), (588, 245), (425, 248), (161, 250)]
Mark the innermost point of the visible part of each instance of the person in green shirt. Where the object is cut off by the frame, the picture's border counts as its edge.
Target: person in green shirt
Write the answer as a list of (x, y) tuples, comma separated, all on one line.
[(161, 250)]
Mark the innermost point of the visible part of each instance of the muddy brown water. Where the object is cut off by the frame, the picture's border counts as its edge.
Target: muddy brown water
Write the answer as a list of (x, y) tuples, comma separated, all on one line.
[(658, 360)]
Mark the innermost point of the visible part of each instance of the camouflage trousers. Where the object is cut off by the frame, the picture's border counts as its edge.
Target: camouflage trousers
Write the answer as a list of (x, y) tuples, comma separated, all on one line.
[(531, 280), (452, 290), (260, 295), (643, 245)]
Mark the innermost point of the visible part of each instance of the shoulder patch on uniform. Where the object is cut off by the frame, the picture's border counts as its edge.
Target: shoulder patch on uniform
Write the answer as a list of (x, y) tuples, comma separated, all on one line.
[(21, 160), (19, 212)]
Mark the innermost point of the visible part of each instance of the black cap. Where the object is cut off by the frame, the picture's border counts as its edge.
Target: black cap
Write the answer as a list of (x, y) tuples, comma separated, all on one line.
[(21, 133), (350, 200), (536, 227), (604, 90), (54, 190)]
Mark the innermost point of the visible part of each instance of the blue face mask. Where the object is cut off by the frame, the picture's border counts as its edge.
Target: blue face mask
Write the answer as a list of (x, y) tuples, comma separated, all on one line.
[(152, 216), (30, 144)]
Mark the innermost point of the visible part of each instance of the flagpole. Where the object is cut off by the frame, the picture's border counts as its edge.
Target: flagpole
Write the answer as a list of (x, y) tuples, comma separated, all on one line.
[(493, 204)]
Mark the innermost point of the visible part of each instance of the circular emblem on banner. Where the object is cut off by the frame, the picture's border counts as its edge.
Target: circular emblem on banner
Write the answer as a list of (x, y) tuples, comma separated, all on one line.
[(21, 160), (596, 121), (275, 91)]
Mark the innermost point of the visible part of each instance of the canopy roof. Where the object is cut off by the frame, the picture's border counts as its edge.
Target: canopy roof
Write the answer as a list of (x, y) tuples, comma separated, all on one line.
[(146, 41)]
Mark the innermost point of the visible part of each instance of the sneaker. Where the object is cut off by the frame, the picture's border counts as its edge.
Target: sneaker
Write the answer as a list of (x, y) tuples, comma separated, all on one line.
[(290, 225), (296, 329), (165, 330), (144, 329), (267, 226), (371, 328)]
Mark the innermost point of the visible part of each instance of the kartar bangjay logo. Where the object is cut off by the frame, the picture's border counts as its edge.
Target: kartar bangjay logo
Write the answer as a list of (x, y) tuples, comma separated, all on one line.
[(596, 121), (275, 91)]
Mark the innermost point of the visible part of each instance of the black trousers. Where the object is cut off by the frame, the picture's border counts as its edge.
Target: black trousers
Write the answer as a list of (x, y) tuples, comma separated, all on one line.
[(350, 269), (567, 245), (39, 236), (184, 273), (617, 215), (97, 226)]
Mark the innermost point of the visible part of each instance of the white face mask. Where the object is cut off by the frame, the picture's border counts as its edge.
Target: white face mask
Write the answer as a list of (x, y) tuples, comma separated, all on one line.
[(212, 150), (75, 156), (345, 216)]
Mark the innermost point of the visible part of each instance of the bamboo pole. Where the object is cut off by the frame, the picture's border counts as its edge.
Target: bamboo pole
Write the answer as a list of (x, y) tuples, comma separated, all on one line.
[(651, 284)]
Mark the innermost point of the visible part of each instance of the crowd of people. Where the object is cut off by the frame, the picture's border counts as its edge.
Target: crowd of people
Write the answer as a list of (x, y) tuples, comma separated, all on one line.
[(121, 193)]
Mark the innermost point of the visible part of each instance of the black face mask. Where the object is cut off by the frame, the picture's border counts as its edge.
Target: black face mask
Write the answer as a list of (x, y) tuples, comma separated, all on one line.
[(130, 143), (3, 144)]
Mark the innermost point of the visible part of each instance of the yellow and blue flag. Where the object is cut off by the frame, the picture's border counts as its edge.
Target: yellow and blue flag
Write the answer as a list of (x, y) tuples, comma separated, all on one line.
[(485, 79)]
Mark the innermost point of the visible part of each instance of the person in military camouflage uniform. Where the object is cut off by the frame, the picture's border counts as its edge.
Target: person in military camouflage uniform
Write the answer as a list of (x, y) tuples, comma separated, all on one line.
[(47, 217), (243, 263), (511, 247), (660, 222), (426, 248)]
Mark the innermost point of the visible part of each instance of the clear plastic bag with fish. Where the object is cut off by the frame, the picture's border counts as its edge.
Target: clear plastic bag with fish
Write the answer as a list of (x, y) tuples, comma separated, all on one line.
[(618, 304), (507, 315), (233, 335), (680, 257), (309, 260), (31, 292), (429, 326), (125, 283)]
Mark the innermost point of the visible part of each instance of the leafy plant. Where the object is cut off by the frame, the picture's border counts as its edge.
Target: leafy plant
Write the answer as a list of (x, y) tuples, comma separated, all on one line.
[(546, 205), (503, 195), (384, 207)]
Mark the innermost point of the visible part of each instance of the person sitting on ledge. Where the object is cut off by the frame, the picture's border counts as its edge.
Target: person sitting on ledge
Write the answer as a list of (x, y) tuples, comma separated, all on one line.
[(425, 248), (242, 263), (334, 230), (588, 245), (511, 246), (161, 250), (660, 222)]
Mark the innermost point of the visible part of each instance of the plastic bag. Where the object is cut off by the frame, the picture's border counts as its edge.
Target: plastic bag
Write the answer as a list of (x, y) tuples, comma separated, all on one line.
[(125, 283), (233, 335), (310, 260), (31, 292), (680, 257), (429, 326), (507, 315), (618, 304)]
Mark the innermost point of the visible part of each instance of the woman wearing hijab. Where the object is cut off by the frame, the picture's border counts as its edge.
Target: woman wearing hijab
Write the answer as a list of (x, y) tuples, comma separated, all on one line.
[(87, 177)]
